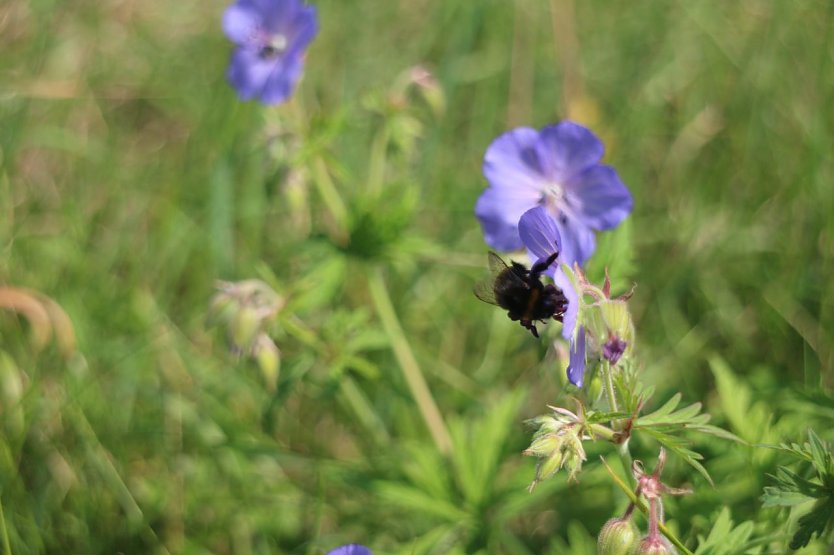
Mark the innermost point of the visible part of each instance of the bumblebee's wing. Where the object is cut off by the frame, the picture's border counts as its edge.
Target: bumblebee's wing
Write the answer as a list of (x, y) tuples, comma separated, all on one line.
[(485, 290), (495, 264)]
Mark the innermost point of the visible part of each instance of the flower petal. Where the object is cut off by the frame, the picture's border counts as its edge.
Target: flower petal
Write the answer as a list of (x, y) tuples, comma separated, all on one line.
[(281, 83), (303, 29), (598, 197), (512, 162), (499, 210), (566, 149), (539, 233), (569, 319), (578, 240), (576, 366), (350, 549), (240, 22), (248, 72)]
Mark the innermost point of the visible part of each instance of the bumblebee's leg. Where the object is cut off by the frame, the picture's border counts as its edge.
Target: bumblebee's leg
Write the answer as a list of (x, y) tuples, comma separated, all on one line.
[(530, 326), (540, 267)]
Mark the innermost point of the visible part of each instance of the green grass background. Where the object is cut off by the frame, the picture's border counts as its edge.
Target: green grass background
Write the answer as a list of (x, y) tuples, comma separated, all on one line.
[(131, 179)]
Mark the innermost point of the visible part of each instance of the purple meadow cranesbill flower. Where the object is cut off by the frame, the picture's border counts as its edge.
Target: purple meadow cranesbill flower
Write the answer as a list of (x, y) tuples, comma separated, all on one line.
[(351, 549), (271, 37), (540, 234), (558, 168)]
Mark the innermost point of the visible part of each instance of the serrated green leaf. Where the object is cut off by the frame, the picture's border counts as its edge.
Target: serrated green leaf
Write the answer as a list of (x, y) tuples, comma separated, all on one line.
[(413, 499), (814, 522), (718, 432), (676, 445), (663, 411), (723, 539)]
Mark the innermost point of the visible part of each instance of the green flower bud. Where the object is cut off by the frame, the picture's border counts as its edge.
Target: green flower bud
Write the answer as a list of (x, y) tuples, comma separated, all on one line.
[(557, 443), (617, 537), (245, 327), (268, 357)]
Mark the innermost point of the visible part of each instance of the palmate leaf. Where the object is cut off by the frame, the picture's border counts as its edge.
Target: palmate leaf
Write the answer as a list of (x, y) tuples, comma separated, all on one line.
[(724, 539), (666, 423), (792, 489), (678, 446), (814, 522)]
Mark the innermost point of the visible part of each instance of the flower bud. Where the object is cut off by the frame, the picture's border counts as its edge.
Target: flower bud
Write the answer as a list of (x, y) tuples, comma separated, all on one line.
[(268, 357), (617, 537), (245, 327), (654, 545)]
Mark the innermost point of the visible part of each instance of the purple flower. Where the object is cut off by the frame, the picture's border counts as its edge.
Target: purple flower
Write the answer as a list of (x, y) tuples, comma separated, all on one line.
[(614, 349), (558, 168), (350, 549), (271, 36), (540, 234)]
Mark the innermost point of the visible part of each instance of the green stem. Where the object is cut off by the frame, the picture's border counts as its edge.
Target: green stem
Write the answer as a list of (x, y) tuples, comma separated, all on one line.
[(332, 200), (408, 363), (364, 411), (625, 457), (609, 388), (376, 164), (7, 546), (642, 506), (598, 430)]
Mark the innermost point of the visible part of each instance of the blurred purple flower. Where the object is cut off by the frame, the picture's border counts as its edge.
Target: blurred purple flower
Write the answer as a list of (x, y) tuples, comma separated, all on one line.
[(539, 233), (271, 36), (351, 549), (558, 168)]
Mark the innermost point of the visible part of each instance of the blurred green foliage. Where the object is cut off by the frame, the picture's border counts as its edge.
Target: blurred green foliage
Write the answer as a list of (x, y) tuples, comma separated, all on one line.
[(131, 179)]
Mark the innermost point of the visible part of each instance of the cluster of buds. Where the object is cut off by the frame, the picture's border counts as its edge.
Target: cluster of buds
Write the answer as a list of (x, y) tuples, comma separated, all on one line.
[(557, 441), (619, 535), (245, 309)]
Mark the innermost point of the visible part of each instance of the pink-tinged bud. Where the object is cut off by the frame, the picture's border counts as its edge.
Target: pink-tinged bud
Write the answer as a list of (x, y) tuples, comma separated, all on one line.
[(617, 537), (655, 545)]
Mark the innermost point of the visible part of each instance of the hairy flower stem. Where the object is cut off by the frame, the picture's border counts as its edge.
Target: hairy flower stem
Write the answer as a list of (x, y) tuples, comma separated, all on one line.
[(609, 390), (408, 363), (644, 509), (625, 458)]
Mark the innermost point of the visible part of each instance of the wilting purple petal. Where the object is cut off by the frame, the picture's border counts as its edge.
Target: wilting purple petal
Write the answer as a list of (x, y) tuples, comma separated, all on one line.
[(539, 233), (614, 349), (567, 149), (351, 549), (598, 197), (572, 313), (576, 366)]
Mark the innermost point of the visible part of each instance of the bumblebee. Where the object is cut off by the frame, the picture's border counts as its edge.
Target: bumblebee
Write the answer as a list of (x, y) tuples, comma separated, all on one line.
[(521, 292)]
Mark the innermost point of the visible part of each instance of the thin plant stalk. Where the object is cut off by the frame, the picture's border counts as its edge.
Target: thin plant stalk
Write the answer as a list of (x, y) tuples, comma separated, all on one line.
[(408, 363), (7, 546)]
